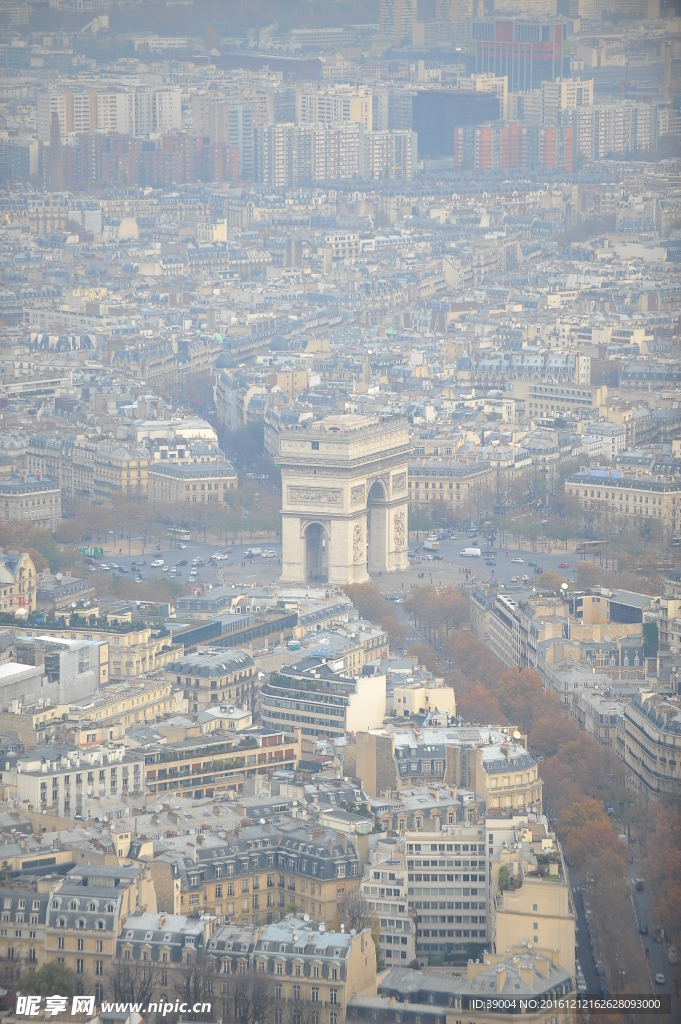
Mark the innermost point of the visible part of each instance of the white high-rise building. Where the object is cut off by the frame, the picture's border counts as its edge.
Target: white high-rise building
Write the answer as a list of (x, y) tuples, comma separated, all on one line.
[(144, 112), (116, 113), (167, 111)]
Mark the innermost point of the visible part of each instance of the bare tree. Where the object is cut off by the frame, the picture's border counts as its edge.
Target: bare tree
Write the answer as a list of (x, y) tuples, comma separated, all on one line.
[(355, 911), (248, 999), (132, 981), (196, 984)]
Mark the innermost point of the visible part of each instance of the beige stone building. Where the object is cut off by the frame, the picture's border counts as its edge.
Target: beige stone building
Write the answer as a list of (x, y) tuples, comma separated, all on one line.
[(537, 911), (18, 581), (649, 742), (344, 500), (25, 498), (193, 483), (507, 776), (131, 651), (617, 495)]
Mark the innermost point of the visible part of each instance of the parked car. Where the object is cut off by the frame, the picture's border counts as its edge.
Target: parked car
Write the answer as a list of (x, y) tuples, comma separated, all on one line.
[(183, 561), (518, 561), (158, 563)]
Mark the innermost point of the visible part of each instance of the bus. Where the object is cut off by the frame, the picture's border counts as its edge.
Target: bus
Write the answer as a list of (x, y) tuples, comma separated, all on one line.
[(179, 533)]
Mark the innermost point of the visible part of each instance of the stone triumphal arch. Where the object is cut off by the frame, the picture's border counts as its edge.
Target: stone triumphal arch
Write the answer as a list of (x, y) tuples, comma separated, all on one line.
[(344, 499)]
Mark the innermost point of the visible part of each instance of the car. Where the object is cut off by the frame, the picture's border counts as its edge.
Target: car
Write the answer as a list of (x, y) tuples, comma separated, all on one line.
[(563, 565), (165, 568), (490, 561), (141, 576), (105, 566), (122, 568), (137, 562), (113, 565), (514, 579), (643, 929), (659, 979), (183, 561), (182, 547), (172, 575), (158, 563), (518, 561), (531, 562), (178, 572), (525, 579)]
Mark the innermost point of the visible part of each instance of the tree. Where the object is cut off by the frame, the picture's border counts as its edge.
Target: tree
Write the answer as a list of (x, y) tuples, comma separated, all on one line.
[(355, 911), (133, 981), (52, 979), (651, 640), (195, 983), (248, 999)]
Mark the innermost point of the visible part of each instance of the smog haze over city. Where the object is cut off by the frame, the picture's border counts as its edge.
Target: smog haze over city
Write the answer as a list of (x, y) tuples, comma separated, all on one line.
[(340, 511)]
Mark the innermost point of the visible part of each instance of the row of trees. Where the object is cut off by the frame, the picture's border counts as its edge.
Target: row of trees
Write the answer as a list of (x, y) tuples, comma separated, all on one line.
[(580, 777)]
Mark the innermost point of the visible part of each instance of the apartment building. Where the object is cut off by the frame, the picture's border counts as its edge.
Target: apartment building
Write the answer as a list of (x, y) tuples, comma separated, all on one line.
[(215, 765), (18, 583), (259, 873), (85, 916), (537, 909), (120, 705), (214, 676), (548, 401), (132, 649), (616, 493), (507, 777), (384, 887), (193, 483), (315, 967), (321, 698), (74, 785), (22, 929), (25, 498), (599, 715), (447, 888), (565, 94), (649, 743), (429, 995)]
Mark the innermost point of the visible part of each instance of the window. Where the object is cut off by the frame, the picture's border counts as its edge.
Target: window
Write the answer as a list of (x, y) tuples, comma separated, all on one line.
[(80, 966), (99, 967), (333, 996), (164, 977)]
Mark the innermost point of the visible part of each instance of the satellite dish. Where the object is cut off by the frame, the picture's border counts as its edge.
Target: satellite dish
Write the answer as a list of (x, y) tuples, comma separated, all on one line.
[(563, 586), (262, 821), (59, 576)]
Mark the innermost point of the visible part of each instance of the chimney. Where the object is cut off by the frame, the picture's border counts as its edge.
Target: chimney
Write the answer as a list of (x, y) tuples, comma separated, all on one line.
[(199, 838), (541, 966), (501, 978), (526, 975), (329, 847)]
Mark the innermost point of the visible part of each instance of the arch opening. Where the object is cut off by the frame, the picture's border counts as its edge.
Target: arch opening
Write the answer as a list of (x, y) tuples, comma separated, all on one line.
[(316, 554), (377, 528)]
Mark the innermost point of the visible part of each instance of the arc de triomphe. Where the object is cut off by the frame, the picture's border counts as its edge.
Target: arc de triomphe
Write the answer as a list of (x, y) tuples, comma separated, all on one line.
[(344, 499)]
